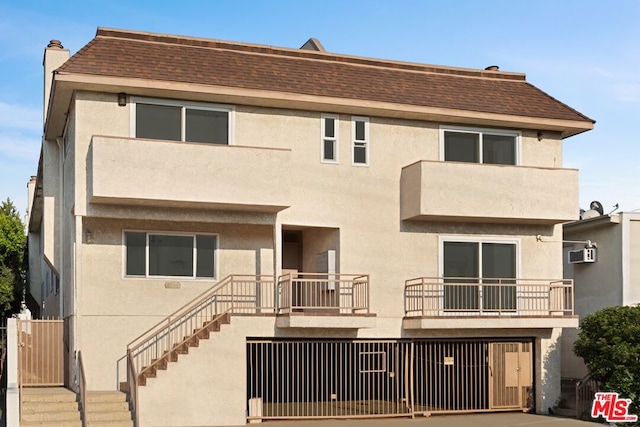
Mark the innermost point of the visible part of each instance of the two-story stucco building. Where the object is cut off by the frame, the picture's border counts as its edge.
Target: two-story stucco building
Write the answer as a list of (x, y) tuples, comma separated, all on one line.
[(330, 235)]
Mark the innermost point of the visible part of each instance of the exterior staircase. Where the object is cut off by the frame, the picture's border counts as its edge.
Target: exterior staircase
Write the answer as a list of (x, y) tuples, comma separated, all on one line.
[(192, 340), (59, 407), (50, 407)]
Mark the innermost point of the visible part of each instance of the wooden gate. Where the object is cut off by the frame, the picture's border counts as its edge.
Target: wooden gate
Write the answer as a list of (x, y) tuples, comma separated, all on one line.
[(42, 352), (511, 381)]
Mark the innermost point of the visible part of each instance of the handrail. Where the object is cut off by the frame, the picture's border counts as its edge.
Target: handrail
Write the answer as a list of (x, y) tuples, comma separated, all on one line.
[(465, 296), (233, 294), (82, 384), (329, 292), (132, 387)]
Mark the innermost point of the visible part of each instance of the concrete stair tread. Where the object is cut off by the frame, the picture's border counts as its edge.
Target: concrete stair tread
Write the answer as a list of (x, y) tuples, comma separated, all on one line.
[(51, 416), (107, 406), (47, 394), (105, 396), (110, 423), (51, 423), (36, 407)]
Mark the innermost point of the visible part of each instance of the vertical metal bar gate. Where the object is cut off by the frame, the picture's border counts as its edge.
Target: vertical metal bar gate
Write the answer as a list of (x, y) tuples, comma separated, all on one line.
[(42, 353), (293, 379)]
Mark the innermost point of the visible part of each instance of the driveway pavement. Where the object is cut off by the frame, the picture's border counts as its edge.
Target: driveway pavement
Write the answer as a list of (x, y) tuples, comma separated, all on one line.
[(510, 419)]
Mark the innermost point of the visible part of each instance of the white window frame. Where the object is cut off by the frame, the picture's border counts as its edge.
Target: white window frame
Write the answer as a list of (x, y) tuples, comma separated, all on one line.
[(481, 131), (170, 233), (364, 142), (184, 105), (335, 139)]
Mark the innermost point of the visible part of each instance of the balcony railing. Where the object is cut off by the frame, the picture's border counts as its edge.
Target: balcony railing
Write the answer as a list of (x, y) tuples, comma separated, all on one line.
[(324, 293), (468, 297)]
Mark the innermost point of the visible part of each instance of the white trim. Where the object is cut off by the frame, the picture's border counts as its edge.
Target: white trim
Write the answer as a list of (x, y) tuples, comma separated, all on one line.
[(480, 240), (336, 136), (364, 142), (230, 109), (216, 255), (480, 131)]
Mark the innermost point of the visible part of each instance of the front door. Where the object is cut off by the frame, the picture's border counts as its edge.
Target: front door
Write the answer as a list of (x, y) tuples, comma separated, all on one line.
[(510, 385)]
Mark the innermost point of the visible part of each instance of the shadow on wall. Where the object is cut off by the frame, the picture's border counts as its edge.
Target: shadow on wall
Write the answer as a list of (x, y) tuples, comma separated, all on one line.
[(551, 382)]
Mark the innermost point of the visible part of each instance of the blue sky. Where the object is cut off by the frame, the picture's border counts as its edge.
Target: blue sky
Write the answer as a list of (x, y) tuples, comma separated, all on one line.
[(585, 53)]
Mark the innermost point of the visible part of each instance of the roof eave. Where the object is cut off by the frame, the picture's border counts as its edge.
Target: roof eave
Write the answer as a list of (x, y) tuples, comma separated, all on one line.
[(67, 83)]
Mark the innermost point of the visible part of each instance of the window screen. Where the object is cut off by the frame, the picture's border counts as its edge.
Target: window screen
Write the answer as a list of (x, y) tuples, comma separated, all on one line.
[(158, 122)]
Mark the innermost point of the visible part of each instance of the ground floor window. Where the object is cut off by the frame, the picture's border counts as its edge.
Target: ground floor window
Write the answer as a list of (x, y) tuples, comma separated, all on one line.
[(170, 255)]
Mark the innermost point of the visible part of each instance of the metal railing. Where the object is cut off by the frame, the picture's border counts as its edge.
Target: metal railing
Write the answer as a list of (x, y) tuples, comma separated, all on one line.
[(244, 294), (132, 388), (324, 293), (463, 296), (586, 390), (82, 385)]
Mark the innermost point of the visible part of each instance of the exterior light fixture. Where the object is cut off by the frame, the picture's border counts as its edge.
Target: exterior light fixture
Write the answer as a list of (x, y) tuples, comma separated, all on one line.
[(122, 99)]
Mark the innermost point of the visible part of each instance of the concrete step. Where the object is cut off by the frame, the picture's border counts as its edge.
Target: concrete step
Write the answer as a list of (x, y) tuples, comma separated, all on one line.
[(51, 416), (51, 424), (106, 396), (111, 423), (109, 416), (48, 394), (109, 406), (49, 406)]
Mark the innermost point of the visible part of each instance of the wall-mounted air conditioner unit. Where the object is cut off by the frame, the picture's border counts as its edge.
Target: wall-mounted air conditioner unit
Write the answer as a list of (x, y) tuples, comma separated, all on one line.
[(581, 256)]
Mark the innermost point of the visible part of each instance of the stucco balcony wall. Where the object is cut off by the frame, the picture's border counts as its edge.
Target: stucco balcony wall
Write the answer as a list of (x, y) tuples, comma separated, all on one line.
[(470, 192), (177, 174)]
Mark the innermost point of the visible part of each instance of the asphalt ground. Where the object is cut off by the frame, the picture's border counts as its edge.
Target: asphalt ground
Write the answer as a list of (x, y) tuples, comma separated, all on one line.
[(504, 419)]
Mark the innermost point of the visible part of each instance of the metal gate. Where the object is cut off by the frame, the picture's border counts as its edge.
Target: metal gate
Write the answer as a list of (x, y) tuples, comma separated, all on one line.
[(511, 375), (326, 379), (382, 378), (450, 376), (42, 352)]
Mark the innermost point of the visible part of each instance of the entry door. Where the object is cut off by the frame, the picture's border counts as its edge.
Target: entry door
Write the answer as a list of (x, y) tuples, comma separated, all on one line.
[(511, 375)]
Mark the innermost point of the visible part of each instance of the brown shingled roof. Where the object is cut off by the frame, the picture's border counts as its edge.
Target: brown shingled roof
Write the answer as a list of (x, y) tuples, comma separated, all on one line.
[(127, 54)]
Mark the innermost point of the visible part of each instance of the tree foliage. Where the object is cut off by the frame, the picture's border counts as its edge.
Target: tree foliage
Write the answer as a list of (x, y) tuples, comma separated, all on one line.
[(12, 258), (609, 343)]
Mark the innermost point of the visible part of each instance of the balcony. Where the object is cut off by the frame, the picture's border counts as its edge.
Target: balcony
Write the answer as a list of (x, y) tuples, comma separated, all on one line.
[(143, 172), (458, 303), (470, 192), (319, 300)]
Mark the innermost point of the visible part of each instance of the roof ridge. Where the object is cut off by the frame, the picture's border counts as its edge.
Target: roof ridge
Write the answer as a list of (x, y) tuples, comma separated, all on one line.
[(302, 53)]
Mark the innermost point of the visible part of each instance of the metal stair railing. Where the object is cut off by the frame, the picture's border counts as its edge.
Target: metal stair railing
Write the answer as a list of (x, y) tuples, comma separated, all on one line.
[(246, 294)]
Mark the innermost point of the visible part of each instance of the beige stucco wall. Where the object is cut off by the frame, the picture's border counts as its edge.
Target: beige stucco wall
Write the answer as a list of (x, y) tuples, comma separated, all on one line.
[(353, 209), (115, 309)]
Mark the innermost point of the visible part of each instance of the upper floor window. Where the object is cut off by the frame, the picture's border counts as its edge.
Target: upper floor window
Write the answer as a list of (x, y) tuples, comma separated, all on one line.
[(480, 145), (329, 138), (360, 138), (170, 255), (480, 275), (176, 121)]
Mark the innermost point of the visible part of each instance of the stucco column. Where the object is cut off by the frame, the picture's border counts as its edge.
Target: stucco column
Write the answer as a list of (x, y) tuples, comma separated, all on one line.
[(548, 361), (13, 387)]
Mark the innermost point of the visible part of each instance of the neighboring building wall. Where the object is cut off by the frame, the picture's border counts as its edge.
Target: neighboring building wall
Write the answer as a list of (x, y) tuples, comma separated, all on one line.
[(613, 280)]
